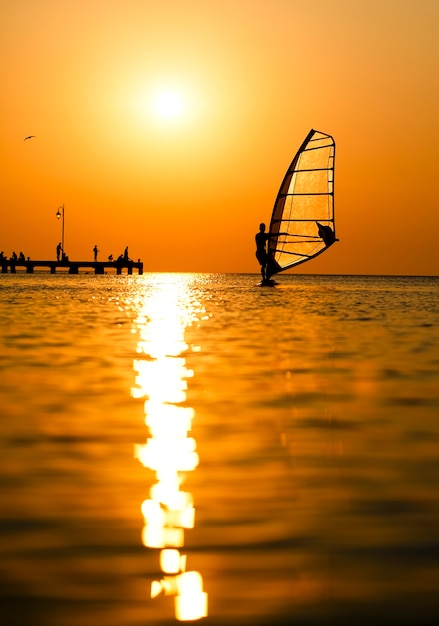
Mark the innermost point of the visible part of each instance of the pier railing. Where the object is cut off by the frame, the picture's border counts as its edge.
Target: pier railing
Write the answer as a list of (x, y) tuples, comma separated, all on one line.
[(73, 267)]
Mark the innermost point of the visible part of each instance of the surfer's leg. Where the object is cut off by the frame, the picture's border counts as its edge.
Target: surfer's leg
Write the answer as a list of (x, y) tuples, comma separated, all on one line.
[(265, 267), (261, 263)]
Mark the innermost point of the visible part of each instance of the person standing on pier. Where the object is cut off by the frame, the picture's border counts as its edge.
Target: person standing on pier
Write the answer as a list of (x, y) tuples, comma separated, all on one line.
[(58, 251), (95, 252)]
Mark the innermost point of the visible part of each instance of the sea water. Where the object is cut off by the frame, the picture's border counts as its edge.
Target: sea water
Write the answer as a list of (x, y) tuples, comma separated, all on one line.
[(296, 429)]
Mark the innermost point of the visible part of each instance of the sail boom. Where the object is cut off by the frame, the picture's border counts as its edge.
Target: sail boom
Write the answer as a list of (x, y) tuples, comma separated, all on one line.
[(297, 254)]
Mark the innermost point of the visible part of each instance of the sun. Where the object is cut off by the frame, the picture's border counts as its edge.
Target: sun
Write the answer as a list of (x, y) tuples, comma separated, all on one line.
[(164, 106), (169, 104)]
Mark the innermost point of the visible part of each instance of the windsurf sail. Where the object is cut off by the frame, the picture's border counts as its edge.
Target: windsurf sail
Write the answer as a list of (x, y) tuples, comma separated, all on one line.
[(302, 223)]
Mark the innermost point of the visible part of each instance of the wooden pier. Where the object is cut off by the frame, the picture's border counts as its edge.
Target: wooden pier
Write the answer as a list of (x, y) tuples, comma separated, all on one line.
[(72, 267)]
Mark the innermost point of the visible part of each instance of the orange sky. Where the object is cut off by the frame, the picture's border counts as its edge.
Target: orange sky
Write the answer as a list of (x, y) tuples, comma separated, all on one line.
[(187, 192)]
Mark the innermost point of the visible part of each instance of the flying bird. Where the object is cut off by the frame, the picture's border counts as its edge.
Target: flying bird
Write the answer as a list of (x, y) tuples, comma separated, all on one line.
[(29, 137)]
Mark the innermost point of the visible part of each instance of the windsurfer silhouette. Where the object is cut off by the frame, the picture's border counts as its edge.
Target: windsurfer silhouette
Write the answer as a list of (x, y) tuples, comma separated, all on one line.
[(262, 254), (261, 239)]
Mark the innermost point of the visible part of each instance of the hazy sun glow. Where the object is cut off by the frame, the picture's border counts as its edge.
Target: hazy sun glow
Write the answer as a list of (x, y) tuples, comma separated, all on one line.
[(168, 104)]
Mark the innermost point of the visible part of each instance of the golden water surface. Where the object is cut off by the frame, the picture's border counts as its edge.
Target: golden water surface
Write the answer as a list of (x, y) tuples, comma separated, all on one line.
[(196, 448)]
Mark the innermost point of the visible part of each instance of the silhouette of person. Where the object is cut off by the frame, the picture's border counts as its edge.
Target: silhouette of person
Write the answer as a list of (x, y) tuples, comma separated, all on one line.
[(262, 254), (261, 239), (125, 254), (14, 256), (110, 258), (95, 252), (21, 257), (58, 251)]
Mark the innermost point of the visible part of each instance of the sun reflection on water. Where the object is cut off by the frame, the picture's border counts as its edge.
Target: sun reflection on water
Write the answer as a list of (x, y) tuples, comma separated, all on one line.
[(161, 378)]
